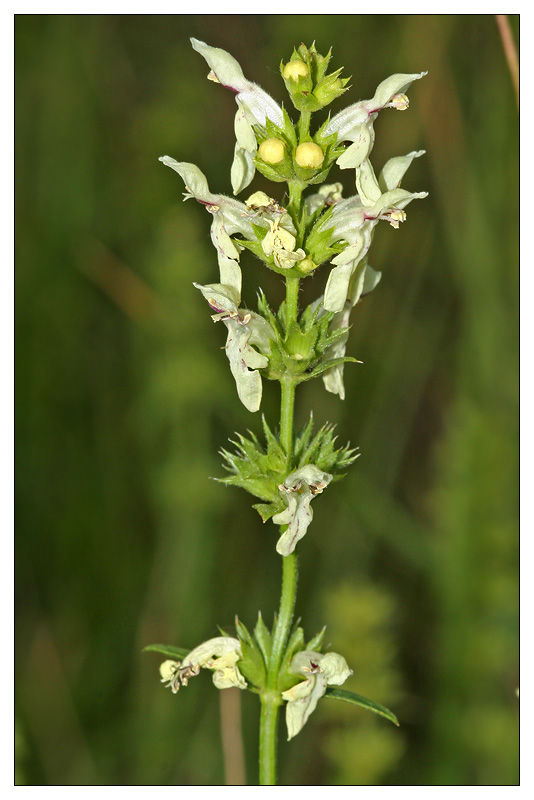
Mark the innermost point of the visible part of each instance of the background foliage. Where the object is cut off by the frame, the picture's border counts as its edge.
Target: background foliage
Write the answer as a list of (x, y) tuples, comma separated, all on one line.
[(124, 398)]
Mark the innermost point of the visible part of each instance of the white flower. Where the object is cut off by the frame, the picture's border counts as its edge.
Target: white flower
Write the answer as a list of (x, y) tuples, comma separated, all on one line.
[(319, 670), (354, 222), (220, 655), (395, 169), (255, 106), (245, 328), (280, 243), (229, 217), (364, 281), (299, 489), (355, 123), (333, 378)]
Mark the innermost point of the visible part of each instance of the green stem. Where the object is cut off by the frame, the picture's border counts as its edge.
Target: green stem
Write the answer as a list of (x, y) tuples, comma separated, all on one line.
[(286, 417), (285, 617), (268, 738), (271, 699), (292, 299), (287, 403), (304, 125), (294, 206)]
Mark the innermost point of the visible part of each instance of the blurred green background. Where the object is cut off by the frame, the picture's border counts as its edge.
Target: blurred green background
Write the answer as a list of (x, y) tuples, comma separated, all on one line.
[(124, 397)]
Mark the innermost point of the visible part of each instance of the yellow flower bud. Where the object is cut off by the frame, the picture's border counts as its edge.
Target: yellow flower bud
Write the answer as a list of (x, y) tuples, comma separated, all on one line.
[(295, 69), (309, 155), (306, 266), (272, 151)]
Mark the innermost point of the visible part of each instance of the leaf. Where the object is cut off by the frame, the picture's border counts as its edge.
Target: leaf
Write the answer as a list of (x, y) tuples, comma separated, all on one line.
[(243, 633), (296, 641), (263, 638), (265, 311), (327, 365), (330, 338), (256, 248), (166, 650), (303, 439), (289, 128), (252, 665), (317, 641), (358, 700), (273, 445), (267, 510)]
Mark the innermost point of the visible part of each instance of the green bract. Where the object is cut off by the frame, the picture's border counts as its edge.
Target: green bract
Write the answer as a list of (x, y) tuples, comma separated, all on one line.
[(309, 87), (262, 469)]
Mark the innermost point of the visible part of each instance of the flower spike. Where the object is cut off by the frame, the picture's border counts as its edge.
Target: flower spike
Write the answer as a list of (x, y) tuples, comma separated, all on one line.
[(293, 234)]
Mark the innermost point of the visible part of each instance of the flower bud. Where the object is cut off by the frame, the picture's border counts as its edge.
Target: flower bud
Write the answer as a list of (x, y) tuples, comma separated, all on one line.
[(306, 266), (295, 70), (272, 151), (330, 88), (309, 155)]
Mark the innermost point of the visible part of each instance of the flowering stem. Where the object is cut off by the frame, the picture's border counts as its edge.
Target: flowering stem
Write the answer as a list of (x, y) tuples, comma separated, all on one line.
[(287, 404), (304, 125), (286, 417), (294, 241), (268, 737), (270, 699), (292, 298)]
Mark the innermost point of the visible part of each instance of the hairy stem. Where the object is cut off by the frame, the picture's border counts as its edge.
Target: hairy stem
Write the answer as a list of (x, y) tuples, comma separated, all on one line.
[(268, 738), (304, 125), (292, 299), (285, 616), (294, 207), (286, 417), (270, 698)]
